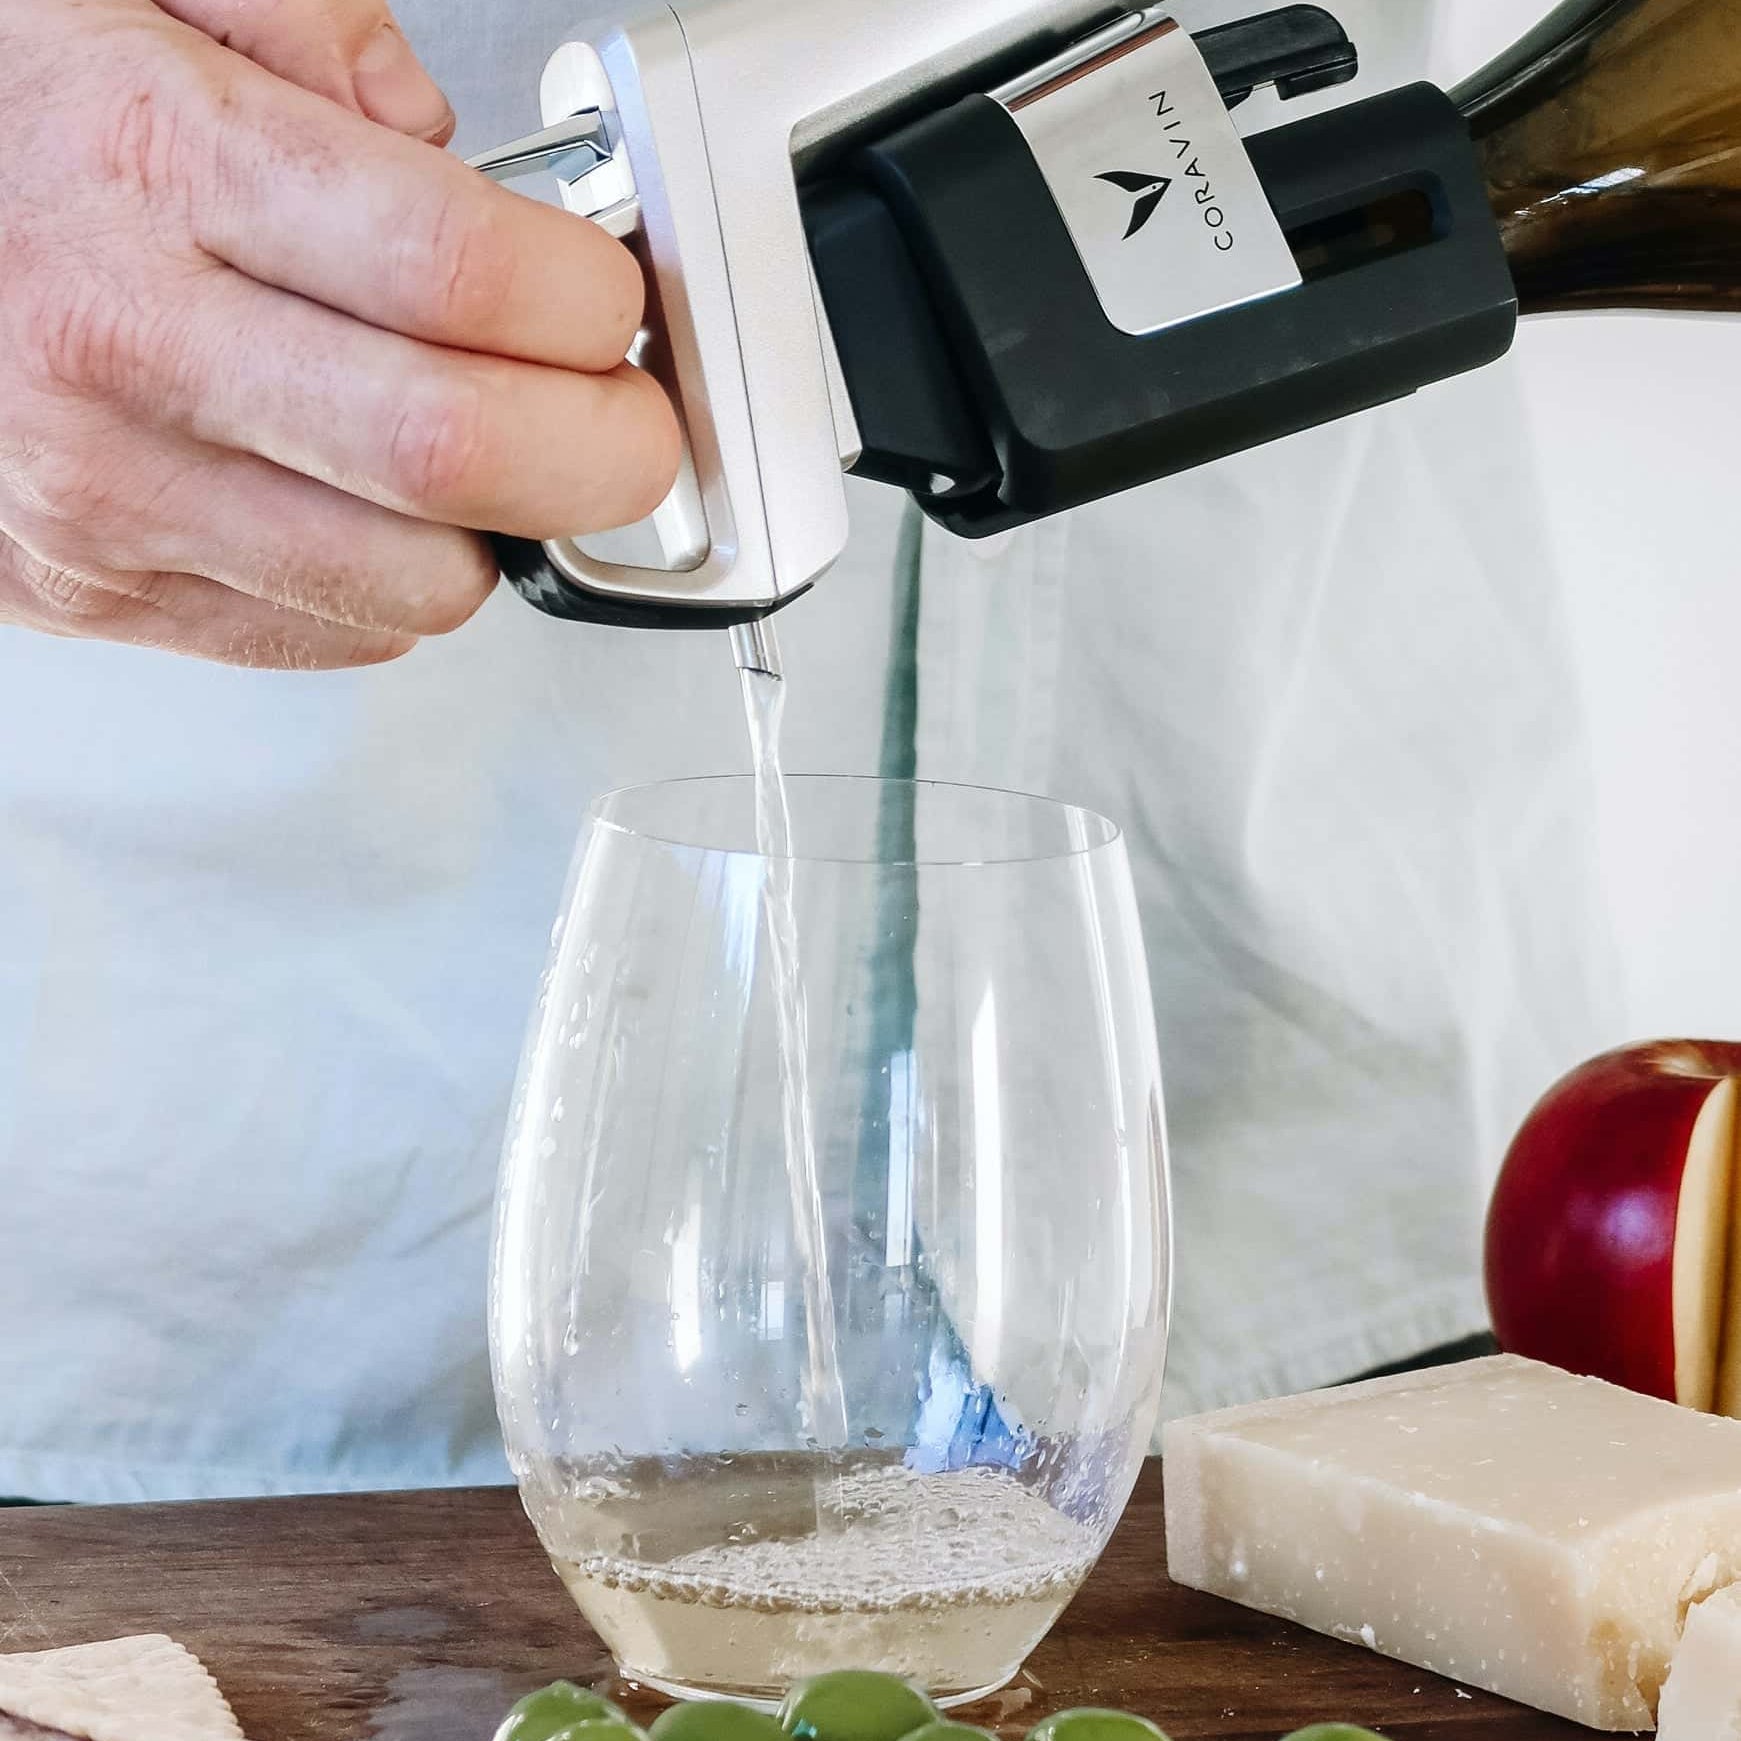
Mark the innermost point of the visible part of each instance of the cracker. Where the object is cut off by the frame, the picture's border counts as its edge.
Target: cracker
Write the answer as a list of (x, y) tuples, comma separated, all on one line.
[(129, 1689)]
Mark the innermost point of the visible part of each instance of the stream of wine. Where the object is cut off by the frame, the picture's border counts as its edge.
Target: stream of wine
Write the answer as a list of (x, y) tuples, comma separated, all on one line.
[(825, 1394)]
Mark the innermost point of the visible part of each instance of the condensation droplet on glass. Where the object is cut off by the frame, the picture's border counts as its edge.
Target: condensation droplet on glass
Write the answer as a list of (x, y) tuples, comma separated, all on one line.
[(571, 1339), (547, 1148), (557, 1111), (742, 1411)]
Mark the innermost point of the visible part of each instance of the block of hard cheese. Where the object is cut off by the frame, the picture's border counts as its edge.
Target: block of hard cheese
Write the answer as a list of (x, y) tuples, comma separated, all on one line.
[(1499, 1522), (1702, 1701)]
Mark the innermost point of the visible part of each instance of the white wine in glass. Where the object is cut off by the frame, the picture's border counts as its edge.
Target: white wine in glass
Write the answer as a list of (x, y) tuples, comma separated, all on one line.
[(988, 1154)]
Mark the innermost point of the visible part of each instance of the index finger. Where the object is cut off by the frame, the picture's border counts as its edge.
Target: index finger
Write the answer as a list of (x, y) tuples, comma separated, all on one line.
[(317, 201)]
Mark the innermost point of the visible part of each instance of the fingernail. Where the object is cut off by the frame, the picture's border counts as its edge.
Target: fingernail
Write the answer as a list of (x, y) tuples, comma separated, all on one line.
[(393, 88)]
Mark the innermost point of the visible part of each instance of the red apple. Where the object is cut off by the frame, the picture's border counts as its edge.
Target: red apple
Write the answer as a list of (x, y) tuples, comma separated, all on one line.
[(1614, 1237)]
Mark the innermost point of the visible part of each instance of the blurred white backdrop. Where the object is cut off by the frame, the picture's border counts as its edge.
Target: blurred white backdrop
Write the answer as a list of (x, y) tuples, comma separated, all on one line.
[(1637, 427)]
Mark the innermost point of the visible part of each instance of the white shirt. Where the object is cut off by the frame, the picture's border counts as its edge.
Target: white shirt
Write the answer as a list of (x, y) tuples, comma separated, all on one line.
[(267, 943)]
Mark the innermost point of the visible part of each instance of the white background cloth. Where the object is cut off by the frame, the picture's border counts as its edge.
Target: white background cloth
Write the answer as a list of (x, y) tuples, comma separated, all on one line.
[(1420, 728)]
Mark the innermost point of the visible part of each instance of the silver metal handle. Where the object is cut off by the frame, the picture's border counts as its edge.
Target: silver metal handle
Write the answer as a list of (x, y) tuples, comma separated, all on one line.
[(585, 154)]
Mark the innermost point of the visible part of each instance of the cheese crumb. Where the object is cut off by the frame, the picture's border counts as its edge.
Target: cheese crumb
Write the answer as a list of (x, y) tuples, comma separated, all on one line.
[(1702, 1698)]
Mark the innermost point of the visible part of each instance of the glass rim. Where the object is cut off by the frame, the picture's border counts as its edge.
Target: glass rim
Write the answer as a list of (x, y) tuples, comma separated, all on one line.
[(1111, 835)]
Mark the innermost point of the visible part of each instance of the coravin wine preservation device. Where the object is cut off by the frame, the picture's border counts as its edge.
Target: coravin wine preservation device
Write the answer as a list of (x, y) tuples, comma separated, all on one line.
[(1009, 255)]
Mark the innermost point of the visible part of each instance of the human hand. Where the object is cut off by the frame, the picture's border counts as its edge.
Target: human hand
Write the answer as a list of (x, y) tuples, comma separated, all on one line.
[(260, 353)]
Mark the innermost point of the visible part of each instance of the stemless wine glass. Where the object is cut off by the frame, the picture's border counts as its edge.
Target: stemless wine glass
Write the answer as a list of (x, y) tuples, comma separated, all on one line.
[(830, 1286)]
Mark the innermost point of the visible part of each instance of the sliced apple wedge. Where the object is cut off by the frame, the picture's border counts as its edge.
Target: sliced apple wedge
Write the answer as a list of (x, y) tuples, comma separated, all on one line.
[(1702, 1237), (1614, 1236), (1728, 1400)]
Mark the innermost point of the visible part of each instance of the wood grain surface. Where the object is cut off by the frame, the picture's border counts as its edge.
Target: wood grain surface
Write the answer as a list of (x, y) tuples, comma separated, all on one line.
[(422, 1616)]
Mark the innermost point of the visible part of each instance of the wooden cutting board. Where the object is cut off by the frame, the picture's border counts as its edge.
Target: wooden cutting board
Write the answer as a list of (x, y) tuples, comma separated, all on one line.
[(423, 1616)]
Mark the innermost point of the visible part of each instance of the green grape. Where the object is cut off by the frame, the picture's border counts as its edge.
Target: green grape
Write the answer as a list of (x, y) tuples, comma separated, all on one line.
[(540, 1716), (601, 1729), (944, 1730), (1090, 1724), (711, 1721), (1333, 1732), (855, 1705)]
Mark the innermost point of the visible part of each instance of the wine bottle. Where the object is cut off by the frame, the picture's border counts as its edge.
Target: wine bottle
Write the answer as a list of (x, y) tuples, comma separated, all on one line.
[(1611, 142)]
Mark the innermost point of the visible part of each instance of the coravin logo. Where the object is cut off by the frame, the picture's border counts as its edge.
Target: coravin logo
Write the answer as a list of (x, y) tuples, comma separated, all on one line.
[(1149, 190)]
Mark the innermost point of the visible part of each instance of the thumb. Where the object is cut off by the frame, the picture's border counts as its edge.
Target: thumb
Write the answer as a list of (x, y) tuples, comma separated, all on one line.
[(349, 50)]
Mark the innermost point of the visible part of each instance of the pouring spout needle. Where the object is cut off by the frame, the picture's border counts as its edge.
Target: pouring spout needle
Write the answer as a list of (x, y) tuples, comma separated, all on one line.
[(757, 648)]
